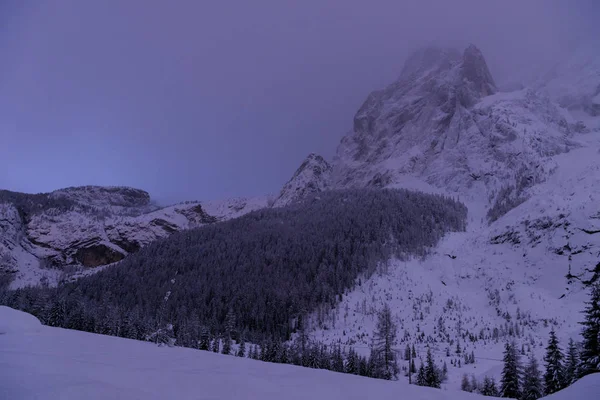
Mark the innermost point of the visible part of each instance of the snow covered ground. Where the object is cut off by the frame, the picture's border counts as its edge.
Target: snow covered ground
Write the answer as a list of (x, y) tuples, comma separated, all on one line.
[(39, 362), (492, 278)]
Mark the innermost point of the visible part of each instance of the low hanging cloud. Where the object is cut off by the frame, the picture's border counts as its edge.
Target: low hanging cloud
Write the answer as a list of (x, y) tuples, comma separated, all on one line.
[(209, 99)]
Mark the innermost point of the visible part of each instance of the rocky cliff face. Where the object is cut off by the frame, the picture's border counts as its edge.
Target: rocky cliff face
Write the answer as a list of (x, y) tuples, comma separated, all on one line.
[(310, 178), (90, 226), (444, 122)]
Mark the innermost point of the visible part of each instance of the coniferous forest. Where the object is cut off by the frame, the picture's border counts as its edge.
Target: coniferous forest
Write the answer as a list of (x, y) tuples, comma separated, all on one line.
[(251, 277)]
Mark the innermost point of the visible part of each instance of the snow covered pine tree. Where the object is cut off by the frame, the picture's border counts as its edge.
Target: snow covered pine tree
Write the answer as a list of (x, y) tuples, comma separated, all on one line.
[(383, 356), (511, 373), (532, 380), (590, 352), (554, 376)]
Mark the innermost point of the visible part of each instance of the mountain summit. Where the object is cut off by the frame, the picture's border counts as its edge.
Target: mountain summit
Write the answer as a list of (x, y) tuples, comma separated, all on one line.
[(444, 122)]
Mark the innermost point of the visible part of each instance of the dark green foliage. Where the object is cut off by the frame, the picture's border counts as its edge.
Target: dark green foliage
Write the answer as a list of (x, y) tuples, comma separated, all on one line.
[(532, 381), (28, 204), (352, 363), (204, 342), (489, 387), (421, 381), (554, 376), (571, 365), (432, 373), (383, 355), (511, 373), (226, 348), (258, 273), (216, 345), (465, 384), (590, 351)]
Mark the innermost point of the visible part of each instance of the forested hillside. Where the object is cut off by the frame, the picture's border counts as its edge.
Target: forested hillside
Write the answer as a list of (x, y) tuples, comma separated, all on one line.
[(251, 276)]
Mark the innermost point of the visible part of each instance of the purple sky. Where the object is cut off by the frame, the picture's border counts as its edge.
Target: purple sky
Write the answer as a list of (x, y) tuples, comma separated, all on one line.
[(202, 99)]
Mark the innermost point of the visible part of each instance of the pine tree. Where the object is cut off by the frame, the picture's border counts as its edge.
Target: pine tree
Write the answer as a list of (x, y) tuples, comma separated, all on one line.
[(351, 366), (284, 355), (489, 387), (204, 342), (532, 381), (554, 376), (511, 373), (458, 349), (432, 375), (216, 344), (254, 353), (465, 385), (413, 368), (590, 349), (407, 353), (474, 384), (414, 353), (421, 381), (383, 355), (571, 364), (226, 348), (337, 360)]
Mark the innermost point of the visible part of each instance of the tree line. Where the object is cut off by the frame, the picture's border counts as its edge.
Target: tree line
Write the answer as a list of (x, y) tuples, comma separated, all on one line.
[(526, 382), (263, 270)]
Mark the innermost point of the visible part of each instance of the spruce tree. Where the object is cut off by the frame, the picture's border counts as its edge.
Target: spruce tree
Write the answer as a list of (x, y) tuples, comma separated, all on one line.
[(532, 381), (351, 366), (383, 355), (554, 376), (465, 385), (204, 343), (489, 387), (216, 344), (571, 365), (226, 348), (432, 375), (590, 349), (407, 353), (337, 360), (510, 384), (421, 381)]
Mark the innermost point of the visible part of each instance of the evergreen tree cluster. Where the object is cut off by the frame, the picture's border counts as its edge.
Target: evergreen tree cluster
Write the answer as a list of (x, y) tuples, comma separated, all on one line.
[(251, 276)]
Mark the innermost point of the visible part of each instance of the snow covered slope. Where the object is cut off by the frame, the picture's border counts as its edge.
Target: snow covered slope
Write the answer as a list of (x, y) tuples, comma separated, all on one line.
[(39, 362), (86, 227), (528, 171)]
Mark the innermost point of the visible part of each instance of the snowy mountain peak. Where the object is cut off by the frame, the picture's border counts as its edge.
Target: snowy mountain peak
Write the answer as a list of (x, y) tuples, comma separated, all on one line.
[(311, 177), (476, 72), (444, 123)]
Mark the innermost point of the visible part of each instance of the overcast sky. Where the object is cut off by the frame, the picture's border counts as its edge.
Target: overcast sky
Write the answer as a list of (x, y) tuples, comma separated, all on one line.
[(205, 99)]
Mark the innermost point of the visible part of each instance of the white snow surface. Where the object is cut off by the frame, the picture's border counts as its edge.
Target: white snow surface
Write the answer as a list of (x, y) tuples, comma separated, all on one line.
[(39, 362), (472, 280)]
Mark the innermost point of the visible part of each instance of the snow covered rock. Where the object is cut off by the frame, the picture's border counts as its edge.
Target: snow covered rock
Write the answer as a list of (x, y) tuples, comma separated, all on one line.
[(310, 178), (444, 122), (91, 226), (13, 321)]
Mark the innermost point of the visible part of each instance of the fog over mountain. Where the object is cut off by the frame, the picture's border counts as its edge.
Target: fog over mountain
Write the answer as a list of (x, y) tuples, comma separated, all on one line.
[(204, 100)]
